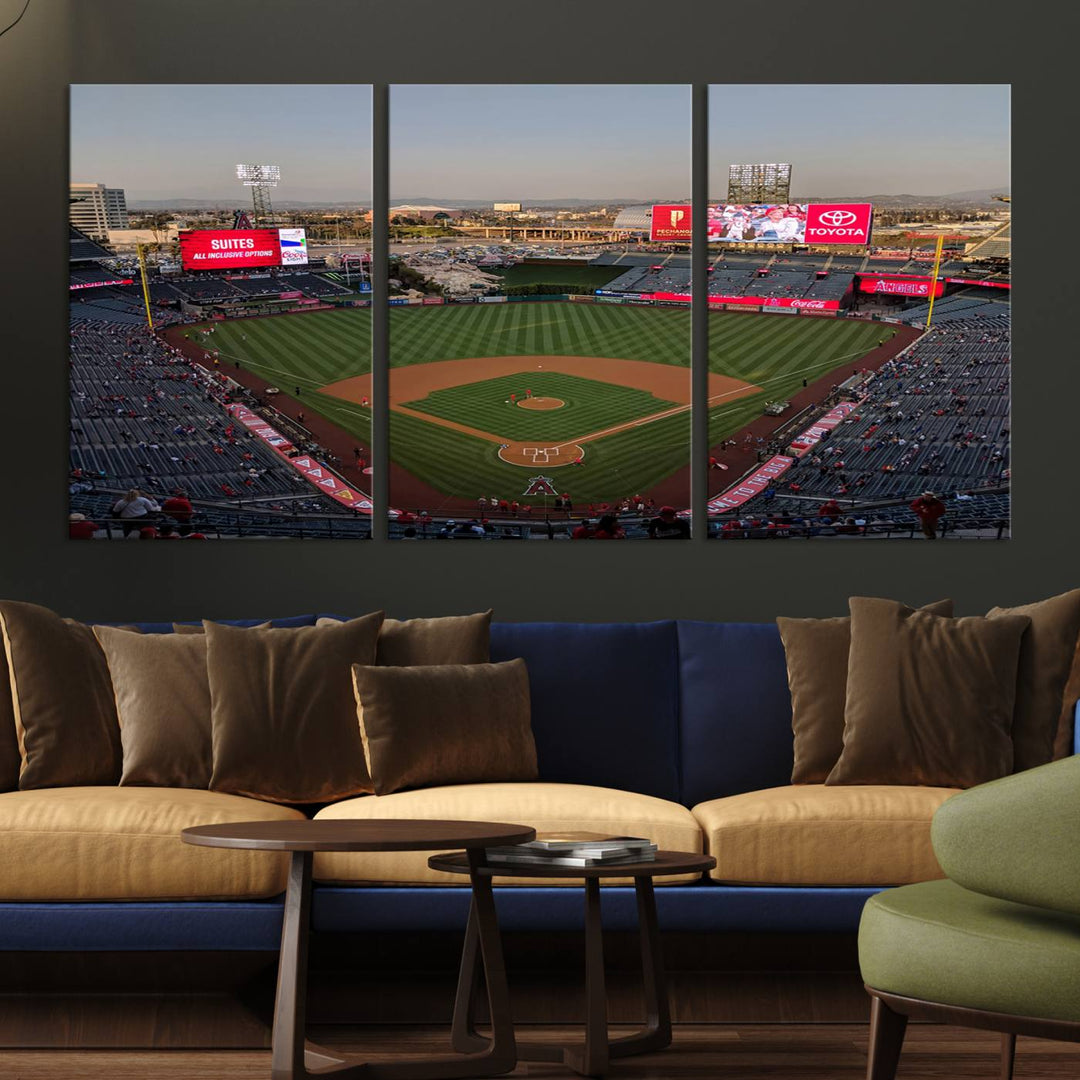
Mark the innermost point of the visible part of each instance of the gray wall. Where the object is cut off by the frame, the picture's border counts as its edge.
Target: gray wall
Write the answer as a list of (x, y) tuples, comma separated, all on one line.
[(64, 41)]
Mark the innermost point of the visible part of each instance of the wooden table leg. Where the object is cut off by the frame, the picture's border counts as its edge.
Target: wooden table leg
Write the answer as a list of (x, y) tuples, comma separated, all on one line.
[(290, 1004), (592, 1058), (292, 1058), (464, 1037), (656, 1034)]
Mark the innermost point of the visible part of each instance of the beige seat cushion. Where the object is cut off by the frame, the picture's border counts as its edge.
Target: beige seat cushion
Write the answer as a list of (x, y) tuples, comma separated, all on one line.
[(810, 834), (123, 843), (546, 807)]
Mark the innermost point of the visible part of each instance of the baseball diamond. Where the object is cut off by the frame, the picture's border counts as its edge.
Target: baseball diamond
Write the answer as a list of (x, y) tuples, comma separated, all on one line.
[(610, 388)]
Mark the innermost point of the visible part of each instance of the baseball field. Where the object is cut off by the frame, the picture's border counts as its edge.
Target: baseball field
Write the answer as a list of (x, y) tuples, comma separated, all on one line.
[(484, 397)]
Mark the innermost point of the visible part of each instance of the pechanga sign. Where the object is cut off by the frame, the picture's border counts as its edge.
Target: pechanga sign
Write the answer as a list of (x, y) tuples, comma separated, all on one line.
[(670, 222)]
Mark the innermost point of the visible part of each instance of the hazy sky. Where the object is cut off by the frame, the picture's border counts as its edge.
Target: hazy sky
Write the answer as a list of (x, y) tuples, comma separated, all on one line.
[(162, 142), (864, 140), (535, 142), (516, 143)]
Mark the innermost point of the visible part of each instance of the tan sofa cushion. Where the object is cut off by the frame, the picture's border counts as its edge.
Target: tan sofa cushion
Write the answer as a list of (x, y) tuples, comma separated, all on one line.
[(546, 807), (810, 834), (123, 843)]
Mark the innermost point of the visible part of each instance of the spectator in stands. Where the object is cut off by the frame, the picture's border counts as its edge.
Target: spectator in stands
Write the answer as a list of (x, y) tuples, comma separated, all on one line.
[(584, 531), (133, 509), (469, 530), (829, 509), (79, 528), (608, 528), (178, 507), (668, 526), (929, 509)]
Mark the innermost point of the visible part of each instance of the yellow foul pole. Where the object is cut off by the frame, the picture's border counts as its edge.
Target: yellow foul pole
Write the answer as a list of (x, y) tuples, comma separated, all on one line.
[(145, 286), (933, 277)]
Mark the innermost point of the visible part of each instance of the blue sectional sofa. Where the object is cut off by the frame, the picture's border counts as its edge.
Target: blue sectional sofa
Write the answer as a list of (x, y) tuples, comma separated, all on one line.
[(684, 723)]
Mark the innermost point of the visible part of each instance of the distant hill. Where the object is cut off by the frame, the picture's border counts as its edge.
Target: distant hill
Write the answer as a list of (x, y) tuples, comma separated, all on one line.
[(240, 202), (979, 198)]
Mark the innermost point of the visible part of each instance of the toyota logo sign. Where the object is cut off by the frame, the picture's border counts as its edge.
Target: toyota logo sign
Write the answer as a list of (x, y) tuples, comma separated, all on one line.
[(838, 217)]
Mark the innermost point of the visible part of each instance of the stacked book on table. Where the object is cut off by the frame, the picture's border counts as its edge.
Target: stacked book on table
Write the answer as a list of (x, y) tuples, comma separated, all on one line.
[(575, 849)]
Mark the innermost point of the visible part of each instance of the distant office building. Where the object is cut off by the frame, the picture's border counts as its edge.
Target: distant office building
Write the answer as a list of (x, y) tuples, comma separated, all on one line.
[(95, 209)]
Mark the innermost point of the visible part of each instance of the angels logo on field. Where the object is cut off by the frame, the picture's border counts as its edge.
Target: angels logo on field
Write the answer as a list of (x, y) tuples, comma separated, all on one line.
[(540, 485)]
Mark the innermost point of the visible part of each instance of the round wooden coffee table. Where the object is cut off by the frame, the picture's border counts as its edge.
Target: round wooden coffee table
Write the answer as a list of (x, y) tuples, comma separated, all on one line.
[(294, 1059), (591, 1058)]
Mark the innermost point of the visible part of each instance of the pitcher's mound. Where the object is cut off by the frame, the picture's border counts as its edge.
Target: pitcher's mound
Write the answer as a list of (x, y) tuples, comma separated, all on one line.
[(538, 455), (541, 404)]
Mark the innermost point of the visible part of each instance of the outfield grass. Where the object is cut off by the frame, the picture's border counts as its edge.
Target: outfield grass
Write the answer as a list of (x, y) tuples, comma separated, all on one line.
[(587, 277), (420, 335), (772, 351), (589, 405), (777, 352)]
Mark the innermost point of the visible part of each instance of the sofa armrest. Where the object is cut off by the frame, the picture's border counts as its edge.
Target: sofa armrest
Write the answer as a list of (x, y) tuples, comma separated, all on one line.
[(1017, 838)]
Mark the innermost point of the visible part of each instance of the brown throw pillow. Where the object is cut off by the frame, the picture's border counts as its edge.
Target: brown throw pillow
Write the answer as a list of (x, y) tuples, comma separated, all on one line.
[(817, 662), (1066, 733), (9, 739), (453, 639), (1046, 656), (929, 699), (282, 710), (163, 703), (447, 724), (65, 717), (197, 628)]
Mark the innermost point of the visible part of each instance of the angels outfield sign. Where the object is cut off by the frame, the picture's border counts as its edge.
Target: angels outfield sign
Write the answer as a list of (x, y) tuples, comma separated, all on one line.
[(541, 485)]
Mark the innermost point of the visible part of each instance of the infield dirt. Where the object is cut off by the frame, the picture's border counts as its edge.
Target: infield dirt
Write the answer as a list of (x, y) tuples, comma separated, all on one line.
[(665, 381)]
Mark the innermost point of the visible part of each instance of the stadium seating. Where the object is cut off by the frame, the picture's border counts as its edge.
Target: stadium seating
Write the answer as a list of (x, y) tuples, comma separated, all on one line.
[(143, 416), (311, 285), (205, 288), (935, 417)]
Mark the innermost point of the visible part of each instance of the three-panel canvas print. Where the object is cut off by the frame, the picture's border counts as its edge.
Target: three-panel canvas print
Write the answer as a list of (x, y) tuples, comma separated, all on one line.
[(538, 303)]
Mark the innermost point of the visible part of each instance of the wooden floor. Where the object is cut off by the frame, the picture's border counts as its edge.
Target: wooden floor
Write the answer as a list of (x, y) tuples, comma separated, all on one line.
[(700, 1052)]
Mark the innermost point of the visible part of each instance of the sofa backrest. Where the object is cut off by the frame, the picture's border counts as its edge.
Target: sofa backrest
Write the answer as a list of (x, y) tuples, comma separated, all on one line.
[(166, 627), (735, 723), (686, 711), (605, 701)]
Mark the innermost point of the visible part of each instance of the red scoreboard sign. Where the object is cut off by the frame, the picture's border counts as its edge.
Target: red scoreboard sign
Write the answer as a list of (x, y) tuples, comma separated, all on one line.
[(838, 223), (900, 285), (229, 249), (670, 223)]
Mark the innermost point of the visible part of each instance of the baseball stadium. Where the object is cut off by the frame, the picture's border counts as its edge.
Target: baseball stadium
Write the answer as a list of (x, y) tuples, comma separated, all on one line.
[(844, 383)]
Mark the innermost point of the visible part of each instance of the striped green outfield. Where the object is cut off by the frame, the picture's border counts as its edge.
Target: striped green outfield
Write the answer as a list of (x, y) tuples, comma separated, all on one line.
[(772, 351), (777, 352), (588, 405), (419, 335)]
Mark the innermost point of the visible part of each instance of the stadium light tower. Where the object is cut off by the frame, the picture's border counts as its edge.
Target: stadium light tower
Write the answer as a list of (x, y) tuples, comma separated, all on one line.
[(765, 182), (260, 178)]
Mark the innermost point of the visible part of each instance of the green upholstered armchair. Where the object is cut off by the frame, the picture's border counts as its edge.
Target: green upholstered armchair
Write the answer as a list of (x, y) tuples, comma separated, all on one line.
[(997, 944)]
